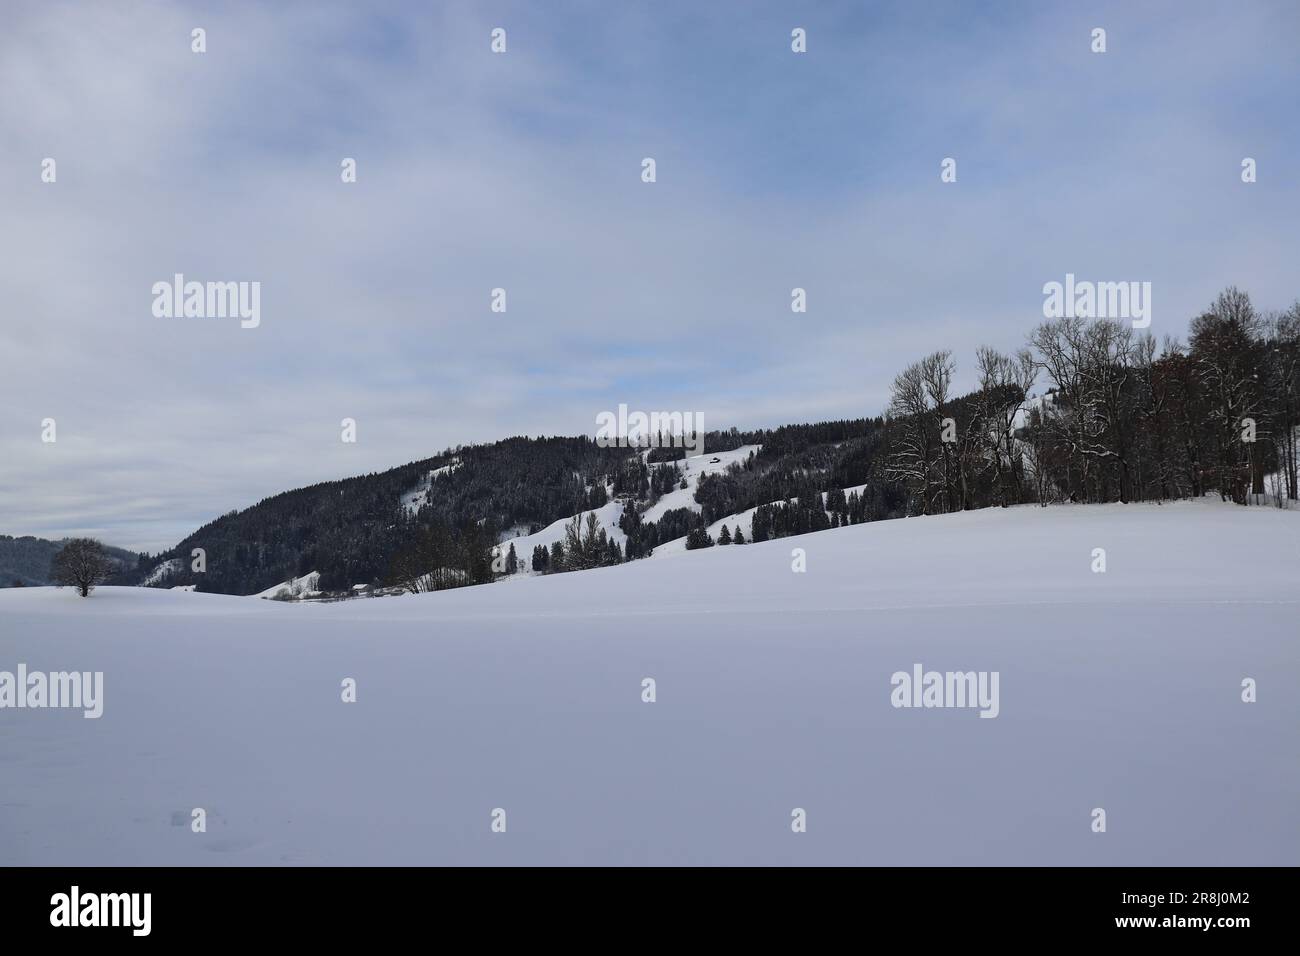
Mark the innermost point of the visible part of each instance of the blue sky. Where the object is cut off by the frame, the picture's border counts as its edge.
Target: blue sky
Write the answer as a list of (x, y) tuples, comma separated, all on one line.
[(522, 171)]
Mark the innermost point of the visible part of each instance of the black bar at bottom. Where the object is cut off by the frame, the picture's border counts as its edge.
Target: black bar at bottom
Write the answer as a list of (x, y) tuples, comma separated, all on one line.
[(335, 906)]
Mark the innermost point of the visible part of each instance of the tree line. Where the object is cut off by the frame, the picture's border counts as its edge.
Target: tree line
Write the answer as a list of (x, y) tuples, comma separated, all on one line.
[(1122, 418)]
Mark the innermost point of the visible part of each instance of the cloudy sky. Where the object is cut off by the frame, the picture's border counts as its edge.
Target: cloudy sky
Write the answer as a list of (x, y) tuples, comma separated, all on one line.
[(523, 171)]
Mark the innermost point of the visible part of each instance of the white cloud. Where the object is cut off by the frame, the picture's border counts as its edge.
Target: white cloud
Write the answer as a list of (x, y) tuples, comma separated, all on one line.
[(522, 171)]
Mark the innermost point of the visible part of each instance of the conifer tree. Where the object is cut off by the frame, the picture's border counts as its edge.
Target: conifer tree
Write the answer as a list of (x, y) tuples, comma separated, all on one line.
[(698, 538)]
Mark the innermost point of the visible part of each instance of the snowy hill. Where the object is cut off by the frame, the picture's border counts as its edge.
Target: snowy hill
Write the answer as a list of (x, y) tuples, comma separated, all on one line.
[(743, 520), (294, 587), (160, 571), (607, 515), (692, 469), (351, 530), (1118, 690)]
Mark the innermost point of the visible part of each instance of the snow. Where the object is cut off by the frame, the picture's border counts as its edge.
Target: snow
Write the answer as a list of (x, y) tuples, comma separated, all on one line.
[(305, 585), (513, 533), (695, 467), (1118, 690), (417, 496), (1275, 481), (741, 519), (608, 515), (163, 569)]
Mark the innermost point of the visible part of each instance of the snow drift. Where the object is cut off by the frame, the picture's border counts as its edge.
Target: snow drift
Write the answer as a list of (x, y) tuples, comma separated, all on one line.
[(1118, 690)]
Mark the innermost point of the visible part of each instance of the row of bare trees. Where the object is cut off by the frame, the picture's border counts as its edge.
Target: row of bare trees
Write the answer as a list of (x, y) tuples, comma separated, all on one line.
[(436, 559), (1121, 419), (953, 454)]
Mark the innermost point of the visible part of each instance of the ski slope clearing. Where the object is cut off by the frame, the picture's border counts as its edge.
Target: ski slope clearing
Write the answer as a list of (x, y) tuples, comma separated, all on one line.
[(163, 569), (417, 497), (692, 469), (607, 515), (1120, 690), (294, 587), (744, 520)]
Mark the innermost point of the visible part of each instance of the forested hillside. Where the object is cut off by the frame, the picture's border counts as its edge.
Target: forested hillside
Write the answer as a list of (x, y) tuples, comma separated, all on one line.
[(455, 506), (1117, 417), (349, 530)]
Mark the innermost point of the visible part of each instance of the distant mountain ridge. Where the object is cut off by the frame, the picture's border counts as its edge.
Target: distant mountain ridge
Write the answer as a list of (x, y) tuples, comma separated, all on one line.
[(25, 561)]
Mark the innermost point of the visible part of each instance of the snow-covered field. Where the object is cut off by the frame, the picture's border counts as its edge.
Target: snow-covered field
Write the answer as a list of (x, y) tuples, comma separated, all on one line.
[(1119, 691)]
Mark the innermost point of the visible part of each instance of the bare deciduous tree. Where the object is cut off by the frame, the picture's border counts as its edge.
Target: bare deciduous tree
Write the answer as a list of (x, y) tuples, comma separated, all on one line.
[(1004, 383), (912, 440), (83, 563), (936, 372)]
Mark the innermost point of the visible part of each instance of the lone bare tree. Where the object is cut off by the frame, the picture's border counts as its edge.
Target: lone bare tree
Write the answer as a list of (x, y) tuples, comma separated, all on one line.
[(83, 563)]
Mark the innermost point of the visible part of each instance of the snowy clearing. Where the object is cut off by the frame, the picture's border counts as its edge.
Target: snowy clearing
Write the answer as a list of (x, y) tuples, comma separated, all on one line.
[(296, 587), (163, 569), (692, 470), (417, 497), (607, 515), (1119, 690), (743, 520)]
